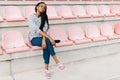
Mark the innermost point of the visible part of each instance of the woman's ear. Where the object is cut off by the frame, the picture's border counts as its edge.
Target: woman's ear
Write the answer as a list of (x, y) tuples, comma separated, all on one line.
[(37, 8)]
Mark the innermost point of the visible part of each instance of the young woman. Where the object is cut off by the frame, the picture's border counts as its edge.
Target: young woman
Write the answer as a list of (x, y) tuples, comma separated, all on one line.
[(39, 25)]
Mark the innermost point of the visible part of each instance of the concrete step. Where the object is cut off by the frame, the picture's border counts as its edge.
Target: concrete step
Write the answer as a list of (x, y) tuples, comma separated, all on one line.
[(5, 71), (99, 68)]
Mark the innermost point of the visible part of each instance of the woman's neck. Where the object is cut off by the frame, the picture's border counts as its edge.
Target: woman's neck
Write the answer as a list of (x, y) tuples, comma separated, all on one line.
[(38, 14)]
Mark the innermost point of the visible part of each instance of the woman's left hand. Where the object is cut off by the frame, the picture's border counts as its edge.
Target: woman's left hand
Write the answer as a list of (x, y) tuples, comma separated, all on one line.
[(52, 42)]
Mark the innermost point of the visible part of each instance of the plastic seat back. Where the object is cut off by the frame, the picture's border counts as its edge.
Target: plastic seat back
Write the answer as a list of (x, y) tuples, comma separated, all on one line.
[(52, 13), (12, 39), (104, 10), (65, 12), (115, 9), (58, 34), (79, 11), (92, 10), (92, 31), (106, 29), (117, 28), (75, 33), (12, 13), (28, 10)]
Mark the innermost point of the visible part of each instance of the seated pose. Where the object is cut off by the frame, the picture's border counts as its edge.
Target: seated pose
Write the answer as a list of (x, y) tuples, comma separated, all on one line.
[(39, 25)]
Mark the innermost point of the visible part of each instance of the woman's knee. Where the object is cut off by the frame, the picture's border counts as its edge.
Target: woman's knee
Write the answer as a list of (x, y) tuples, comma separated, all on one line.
[(47, 40), (37, 41)]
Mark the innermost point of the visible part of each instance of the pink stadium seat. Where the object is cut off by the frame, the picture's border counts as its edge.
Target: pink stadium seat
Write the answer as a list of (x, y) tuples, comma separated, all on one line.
[(105, 10), (115, 9), (117, 28), (1, 51), (77, 35), (93, 33), (107, 30), (65, 12), (12, 42), (59, 34), (80, 12), (12, 14), (29, 44), (1, 20), (52, 13), (93, 11), (28, 10)]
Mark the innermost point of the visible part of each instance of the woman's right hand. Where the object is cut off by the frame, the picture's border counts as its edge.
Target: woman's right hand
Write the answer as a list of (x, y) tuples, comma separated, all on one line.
[(44, 46)]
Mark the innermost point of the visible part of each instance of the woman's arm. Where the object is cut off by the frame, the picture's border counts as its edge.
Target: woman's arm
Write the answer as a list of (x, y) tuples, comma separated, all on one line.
[(44, 46), (44, 34)]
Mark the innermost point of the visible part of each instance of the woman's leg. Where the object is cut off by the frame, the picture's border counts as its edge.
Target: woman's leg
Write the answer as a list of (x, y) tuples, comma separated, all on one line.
[(46, 55), (55, 59), (51, 50), (46, 52)]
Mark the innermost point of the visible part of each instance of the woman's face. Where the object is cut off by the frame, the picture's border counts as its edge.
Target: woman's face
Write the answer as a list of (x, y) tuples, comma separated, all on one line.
[(41, 8)]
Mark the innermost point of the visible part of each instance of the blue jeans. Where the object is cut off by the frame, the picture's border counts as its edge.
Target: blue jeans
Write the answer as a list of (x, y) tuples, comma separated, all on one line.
[(37, 41)]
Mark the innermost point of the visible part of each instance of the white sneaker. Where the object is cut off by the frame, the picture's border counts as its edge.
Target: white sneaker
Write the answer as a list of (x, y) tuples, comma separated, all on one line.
[(60, 66), (47, 74)]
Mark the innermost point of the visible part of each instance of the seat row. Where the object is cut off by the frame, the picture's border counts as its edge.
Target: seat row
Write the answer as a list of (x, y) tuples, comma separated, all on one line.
[(13, 13), (12, 41)]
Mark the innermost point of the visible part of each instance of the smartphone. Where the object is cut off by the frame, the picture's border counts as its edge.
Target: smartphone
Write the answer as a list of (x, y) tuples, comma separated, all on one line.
[(57, 41)]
